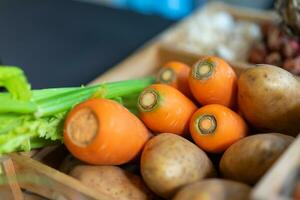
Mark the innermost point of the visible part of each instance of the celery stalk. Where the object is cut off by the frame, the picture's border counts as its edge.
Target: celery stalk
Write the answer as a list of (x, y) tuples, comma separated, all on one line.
[(14, 80), (7, 105), (51, 101), (65, 101)]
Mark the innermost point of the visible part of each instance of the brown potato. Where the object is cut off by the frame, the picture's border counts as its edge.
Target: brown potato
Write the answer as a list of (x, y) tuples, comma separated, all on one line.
[(112, 181), (214, 189), (169, 162), (249, 159), (269, 99)]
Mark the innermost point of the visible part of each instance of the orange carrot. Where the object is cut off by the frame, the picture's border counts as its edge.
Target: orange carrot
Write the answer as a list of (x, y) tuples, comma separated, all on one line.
[(175, 74), (103, 132), (213, 81), (215, 127), (164, 109)]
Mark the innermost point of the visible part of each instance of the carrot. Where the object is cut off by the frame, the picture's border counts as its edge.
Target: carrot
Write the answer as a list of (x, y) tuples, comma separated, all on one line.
[(213, 81), (215, 127), (164, 109), (103, 132), (175, 74)]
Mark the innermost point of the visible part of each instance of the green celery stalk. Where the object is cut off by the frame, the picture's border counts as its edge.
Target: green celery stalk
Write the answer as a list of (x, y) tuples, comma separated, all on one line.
[(45, 93), (7, 105), (14, 80), (47, 102), (65, 101)]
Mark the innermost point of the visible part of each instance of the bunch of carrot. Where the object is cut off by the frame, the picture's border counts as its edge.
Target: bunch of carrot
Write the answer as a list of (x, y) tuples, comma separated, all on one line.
[(198, 100), (210, 83)]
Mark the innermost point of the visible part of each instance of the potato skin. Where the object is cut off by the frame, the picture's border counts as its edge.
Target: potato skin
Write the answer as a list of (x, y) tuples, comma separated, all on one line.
[(214, 189), (249, 159), (112, 181), (269, 99), (169, 162)]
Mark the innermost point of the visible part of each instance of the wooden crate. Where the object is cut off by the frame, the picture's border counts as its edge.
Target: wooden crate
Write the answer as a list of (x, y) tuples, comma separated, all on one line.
[(38, 172)]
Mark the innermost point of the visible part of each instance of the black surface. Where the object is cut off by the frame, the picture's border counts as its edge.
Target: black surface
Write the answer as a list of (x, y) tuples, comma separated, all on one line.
[(68, 43)]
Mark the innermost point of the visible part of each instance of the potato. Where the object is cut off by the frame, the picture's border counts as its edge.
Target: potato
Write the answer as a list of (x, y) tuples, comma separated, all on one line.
[(269, 99), (214, 189), (112, 181), (169, 162), (249, 159)]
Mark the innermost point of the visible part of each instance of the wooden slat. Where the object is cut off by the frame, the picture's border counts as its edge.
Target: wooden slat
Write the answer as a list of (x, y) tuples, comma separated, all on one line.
[(45, 181), (10, 174), (274, 182)]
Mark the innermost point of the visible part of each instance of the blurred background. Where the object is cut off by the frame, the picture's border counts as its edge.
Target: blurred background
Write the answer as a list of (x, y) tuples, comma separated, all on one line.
[(67, 42), (175, 9)]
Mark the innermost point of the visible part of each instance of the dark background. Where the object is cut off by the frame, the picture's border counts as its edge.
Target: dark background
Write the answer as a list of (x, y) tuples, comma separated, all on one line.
[(68, 43)]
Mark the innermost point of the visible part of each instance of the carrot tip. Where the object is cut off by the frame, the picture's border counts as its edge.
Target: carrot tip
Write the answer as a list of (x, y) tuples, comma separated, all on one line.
[(166, 75), (83, 127), (206, 124), (203, 69), (148, 100)]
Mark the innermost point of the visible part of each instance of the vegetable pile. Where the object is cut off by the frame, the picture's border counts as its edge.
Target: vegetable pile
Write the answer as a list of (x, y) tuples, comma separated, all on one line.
[(199, 118), (176, 136)]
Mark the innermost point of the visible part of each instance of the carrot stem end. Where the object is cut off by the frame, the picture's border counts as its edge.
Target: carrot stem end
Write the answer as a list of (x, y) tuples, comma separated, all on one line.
[(166, 75), (203, 70), (206, 124), (83, 127), (148, 100)]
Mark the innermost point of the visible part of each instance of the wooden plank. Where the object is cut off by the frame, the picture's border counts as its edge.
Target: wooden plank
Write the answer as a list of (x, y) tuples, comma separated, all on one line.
[(45, 181), (10, 174), (276, 180)]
